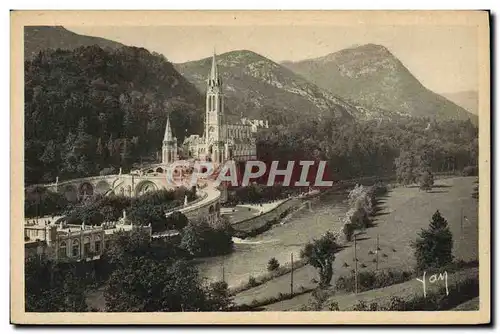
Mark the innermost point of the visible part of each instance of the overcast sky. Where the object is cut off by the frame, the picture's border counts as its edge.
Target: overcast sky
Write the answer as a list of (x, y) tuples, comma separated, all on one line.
[(443, 58)]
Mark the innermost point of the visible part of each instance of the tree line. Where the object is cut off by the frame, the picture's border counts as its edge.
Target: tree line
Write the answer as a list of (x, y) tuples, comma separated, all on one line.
[(376, 147), (91, 109), (138, 275)]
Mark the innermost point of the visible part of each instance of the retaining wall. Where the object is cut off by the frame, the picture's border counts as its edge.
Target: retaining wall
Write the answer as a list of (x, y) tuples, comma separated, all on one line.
[(256, 222)]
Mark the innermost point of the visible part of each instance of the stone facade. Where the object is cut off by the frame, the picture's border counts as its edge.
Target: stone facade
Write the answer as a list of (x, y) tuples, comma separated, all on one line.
[(221, 141), (67, 243)]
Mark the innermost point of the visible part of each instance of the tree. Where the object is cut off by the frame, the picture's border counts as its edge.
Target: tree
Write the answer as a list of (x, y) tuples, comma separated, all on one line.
[(320, 253), (219, 298), (426, 180), (146, 214), (49, 288), (348, 231), (406, 165), (272, 264), (125, 246), (433, 247), (145, 285), (200, 239), (176, 221)]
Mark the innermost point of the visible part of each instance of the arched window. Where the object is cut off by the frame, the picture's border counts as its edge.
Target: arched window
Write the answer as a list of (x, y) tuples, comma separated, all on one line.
[(86, 246), (75, 249), (63, 249), (97, 244)]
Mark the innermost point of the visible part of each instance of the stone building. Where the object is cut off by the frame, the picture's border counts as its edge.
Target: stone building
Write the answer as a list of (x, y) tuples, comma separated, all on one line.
[(220, 141), (63, 242)]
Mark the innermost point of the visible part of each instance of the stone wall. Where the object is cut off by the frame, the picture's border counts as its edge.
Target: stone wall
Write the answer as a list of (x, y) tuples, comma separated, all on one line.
[(259, 221)]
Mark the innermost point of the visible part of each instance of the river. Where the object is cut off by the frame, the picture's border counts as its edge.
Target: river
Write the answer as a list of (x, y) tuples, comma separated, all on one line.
[(251, 255)]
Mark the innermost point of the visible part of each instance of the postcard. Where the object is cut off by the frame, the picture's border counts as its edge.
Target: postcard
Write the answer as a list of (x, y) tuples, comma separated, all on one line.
[(250, 167)]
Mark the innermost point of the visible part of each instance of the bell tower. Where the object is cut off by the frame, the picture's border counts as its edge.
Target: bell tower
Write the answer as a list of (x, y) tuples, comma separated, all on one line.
[(214, 115)]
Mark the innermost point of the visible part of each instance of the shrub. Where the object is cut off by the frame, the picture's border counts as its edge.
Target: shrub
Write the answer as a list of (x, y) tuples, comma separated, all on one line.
[(396, 304), (470, 171), (252, 282), (437, 300), (426, 181), (348, 231), (368, 280), (334, 306), (273, 264), (360, 306)]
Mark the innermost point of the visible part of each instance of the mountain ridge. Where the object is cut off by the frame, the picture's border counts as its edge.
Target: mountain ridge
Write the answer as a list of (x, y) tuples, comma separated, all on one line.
[(467, 99), (373, 76), (38, 38), (255, 84)]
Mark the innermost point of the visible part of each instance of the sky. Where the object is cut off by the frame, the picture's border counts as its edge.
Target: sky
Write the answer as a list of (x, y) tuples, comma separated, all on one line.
[(443, 58)]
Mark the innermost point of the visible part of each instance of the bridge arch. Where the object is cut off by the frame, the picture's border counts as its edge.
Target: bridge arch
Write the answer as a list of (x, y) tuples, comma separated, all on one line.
[(70, 192), (144, 187), (86, 189), (102, 187)]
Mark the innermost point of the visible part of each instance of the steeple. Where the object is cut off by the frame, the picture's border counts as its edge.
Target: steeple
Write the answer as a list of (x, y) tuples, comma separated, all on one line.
[(214, 74), (169, 149), (213, 77), (168, 131)]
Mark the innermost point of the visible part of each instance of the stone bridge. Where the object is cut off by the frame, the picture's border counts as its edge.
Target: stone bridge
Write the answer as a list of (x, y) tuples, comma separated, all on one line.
[(126, 184), (207, 205)]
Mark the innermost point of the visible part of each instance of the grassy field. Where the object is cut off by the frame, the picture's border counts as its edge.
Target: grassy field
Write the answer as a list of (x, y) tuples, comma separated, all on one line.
[(383, 295), (402, 214)]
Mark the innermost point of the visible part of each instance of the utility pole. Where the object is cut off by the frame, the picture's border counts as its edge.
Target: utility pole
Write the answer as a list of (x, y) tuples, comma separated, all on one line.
[(291, 275), (355, 268), (376, 252), (461, 222), (223, 273)]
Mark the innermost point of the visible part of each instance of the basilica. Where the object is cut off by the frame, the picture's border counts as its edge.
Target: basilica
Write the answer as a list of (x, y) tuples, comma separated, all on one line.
[(220, 141)]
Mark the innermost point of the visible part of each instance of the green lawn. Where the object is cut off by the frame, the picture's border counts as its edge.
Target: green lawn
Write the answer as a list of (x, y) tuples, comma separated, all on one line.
[(403, 213)]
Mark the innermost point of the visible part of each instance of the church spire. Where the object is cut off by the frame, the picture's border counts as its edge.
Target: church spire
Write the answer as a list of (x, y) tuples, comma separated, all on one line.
[(168, 131), (214, 74)]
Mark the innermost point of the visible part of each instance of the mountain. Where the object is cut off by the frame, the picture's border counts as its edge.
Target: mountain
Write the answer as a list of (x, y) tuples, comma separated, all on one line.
[(38, 38), (371, 75), (257, 87), (90, 109), (469, 100)]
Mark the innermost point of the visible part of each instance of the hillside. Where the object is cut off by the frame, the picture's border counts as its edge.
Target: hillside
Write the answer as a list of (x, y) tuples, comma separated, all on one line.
[(257, 87), (38, 38), (469, 100), (90, 109), (371, 75)]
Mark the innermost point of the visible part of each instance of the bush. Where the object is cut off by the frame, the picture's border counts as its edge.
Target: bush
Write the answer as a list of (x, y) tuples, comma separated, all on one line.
[(360, 306), (348, 231), (368, 280), (426, 181), (252, 282), (334, 306), (470, 171), (273, 264), (437, 300)]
